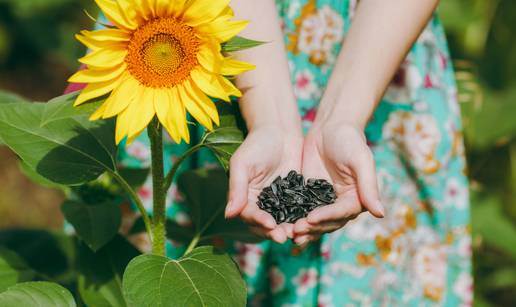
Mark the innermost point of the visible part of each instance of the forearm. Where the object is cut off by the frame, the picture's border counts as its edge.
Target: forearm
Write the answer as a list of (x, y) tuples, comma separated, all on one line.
[(267, 90), (379, 39)]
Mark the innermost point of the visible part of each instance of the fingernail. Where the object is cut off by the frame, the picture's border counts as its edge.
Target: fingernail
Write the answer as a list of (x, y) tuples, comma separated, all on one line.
[(280, 238), (302, 241), (229, 209), (304, 244), (379, 208)]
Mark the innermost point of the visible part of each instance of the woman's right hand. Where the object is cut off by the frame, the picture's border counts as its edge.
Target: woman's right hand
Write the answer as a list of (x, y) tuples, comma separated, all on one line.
[(268, 152)]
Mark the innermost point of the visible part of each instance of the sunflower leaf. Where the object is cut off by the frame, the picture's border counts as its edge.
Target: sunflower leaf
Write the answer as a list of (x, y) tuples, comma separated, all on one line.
[(203, 277), (95, 224), (100, 273), (44, 293), (206, 195), (13, 269), (58, 141), (7, 97), (238, 43), (224, 140)]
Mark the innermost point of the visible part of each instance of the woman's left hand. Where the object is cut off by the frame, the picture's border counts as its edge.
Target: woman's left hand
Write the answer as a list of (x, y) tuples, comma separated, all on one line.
[(339, 154)]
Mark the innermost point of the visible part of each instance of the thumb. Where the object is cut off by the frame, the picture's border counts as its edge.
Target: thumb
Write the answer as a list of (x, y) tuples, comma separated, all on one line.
[(364, 169), (238, 188)]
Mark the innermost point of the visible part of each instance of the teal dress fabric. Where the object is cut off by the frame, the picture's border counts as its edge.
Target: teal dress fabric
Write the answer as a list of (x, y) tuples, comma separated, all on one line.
[(420, 253)]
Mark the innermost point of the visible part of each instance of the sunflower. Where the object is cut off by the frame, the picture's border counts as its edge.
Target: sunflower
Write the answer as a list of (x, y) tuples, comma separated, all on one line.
[(160, 58)]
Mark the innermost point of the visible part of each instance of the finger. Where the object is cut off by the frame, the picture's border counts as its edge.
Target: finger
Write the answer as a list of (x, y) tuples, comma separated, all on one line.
[(318, 230), (303, 241), (252, 215), (277, 235), (364, 168), (344, 208), (302, 227), (288, 228), (238, 187)]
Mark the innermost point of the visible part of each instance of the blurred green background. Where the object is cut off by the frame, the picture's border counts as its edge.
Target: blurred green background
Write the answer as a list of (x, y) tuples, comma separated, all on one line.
[(38, 52)]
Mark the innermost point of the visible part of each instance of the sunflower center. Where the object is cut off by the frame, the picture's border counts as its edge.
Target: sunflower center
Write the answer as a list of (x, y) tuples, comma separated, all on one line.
[(162, 53)]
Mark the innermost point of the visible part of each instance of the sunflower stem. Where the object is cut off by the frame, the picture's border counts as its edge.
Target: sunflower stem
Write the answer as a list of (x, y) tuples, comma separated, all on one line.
[(155, 133), (137, 201)]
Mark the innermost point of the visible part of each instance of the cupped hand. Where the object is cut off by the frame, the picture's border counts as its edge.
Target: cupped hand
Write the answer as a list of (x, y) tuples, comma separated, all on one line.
[(267, 152), (339, 154)]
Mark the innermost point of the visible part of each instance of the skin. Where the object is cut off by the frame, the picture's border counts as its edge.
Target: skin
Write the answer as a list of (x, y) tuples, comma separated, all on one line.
[(335, 148)]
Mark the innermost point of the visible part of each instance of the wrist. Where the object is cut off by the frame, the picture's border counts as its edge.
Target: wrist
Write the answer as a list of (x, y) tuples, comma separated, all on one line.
[(347, 109)]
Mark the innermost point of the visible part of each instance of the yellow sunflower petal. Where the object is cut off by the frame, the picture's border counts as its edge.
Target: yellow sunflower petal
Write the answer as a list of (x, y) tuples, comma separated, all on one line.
[(94, 90), (165, 8), (122, 126), (105, 58), (210, 58), (229, 87), (99, 112), (122, 96), (226, 14), (144, 9), (177, 114), (208, 83), (203, 11), (203, 101), (114, 35), (143, 111), (194, 109), (96, 45), (232, 67), (115, 15), (162, 103), (223, 30), (97, 75), (129, 10)]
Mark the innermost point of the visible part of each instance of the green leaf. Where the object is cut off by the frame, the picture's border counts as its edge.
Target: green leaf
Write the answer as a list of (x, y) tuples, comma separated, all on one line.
[(58, 141), (41, 293), (224, 140), (37, 178), (100, 273), (44, 252), (135, 177), (206, 195), (493, 225), (12, 269), (176, 232), (95, 224), (7, 97), (238, 43), (201, 278)]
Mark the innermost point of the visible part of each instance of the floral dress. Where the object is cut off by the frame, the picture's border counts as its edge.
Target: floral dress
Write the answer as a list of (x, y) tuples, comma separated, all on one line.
[(420, 253)]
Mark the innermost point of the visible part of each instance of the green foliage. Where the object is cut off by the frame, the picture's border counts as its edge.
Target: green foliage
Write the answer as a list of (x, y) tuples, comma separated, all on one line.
[(58, 141), (12, 269), (228, 136), (48, 254), (203, 277), (44, 293), (100, 273), (480, 37), (239, 43), (8, 97), (95, 224), (206, 195)]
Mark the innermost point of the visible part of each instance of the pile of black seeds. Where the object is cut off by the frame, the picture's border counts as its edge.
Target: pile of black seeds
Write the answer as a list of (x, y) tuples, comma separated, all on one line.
[(291, 198)]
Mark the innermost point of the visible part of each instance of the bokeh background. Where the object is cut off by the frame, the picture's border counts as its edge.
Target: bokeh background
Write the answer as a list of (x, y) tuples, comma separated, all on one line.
[(38, 53)]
